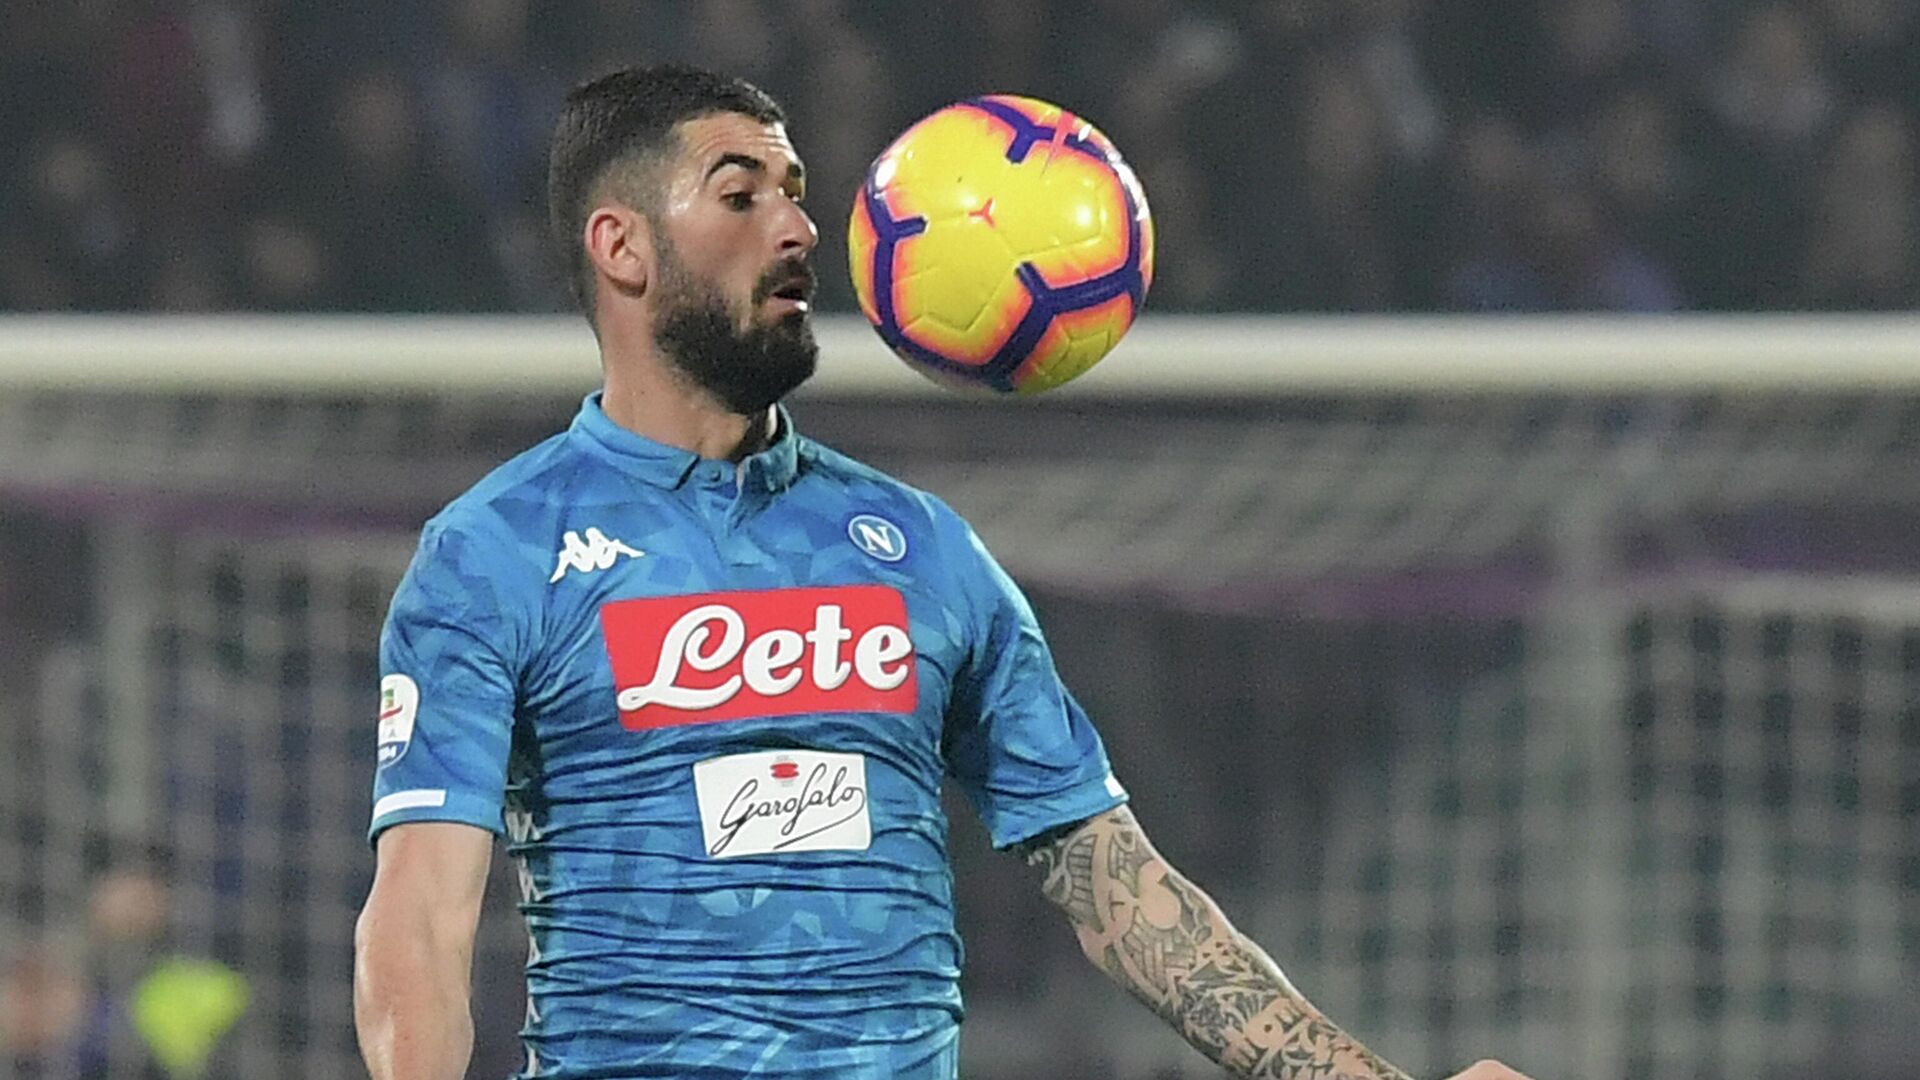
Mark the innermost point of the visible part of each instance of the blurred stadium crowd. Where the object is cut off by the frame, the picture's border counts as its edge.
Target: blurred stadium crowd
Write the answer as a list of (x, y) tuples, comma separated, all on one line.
[(1315, 155)]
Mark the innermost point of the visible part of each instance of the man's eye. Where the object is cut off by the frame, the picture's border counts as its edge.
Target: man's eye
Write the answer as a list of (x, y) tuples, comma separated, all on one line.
[(738, 200)]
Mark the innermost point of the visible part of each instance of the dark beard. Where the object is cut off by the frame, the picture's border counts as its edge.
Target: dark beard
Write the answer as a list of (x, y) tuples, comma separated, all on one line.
[(745, 371)]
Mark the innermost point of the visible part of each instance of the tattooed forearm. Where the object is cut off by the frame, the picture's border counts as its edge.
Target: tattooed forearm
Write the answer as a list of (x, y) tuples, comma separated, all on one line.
[(1069, 877), (1152, 950), (1159, 936), (1127, 854)]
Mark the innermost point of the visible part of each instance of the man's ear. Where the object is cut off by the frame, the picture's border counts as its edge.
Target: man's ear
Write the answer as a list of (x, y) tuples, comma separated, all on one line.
[(619, 241)]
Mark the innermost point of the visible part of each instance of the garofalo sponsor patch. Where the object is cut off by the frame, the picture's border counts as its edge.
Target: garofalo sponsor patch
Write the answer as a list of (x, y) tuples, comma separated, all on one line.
[(783, 800)]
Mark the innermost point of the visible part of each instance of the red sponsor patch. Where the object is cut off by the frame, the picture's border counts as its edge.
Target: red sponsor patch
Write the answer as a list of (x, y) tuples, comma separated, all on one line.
[(782, 652)]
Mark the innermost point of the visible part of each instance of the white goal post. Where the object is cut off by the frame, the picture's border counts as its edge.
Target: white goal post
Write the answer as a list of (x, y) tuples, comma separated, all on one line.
[(1177, 355)]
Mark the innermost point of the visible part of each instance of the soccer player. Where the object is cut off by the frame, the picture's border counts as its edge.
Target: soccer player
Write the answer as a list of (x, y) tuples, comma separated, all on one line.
[(707, 677)]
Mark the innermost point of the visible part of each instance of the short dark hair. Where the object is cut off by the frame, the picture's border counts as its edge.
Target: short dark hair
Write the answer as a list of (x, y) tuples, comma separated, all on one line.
[(625, 121)]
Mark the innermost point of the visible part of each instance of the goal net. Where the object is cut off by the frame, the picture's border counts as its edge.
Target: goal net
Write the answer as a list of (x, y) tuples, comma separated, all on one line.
[(1701, 866), (1539, 689)]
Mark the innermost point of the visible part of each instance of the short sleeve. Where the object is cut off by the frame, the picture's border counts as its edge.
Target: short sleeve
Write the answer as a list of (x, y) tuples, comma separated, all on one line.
[(1018, 744), (448, 689)]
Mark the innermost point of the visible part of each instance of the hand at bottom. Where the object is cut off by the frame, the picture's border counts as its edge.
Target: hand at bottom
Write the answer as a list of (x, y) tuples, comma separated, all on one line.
[(1488, 1070)]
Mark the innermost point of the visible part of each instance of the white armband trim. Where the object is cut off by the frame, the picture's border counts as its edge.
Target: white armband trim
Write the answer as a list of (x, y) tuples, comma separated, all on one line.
[(409, 800)]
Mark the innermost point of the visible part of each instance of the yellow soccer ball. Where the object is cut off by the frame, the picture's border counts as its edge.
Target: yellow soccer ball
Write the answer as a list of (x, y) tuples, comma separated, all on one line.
[(1001, 244)]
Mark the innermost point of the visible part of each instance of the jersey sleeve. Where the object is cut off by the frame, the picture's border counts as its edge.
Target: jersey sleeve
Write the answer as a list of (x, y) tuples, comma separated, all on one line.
[(448, 689), (1018, 744)]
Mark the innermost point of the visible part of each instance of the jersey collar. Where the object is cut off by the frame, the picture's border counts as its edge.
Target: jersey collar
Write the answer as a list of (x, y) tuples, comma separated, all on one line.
[(772, 469)]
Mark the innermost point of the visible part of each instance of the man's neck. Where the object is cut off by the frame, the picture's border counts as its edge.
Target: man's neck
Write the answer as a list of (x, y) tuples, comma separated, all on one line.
[(653, 404)]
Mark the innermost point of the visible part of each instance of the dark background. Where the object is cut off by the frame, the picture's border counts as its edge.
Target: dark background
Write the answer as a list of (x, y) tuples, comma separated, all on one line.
[(1302, 155)]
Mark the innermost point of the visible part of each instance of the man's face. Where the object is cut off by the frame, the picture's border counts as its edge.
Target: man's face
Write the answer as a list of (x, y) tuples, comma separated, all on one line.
[(734, 290)]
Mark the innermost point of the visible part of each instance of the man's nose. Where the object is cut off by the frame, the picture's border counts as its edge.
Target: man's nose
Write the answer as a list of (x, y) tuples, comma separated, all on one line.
[(798, 235)]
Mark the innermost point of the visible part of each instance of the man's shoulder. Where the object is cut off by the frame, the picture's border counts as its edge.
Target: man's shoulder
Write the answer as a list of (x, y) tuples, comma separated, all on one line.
[(514, 506), (858, 491), (866, 483), (525, 490)]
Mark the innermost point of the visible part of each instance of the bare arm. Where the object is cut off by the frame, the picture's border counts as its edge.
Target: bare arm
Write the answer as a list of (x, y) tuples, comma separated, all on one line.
[(413, 951), (1156, 934)]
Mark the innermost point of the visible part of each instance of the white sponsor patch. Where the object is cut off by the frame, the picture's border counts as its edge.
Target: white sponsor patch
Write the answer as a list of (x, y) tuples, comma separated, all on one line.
[(399, 705), (783, 800)]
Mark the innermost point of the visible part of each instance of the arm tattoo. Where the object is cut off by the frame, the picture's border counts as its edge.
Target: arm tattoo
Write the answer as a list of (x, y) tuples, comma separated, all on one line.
[(1158, 935), (1150, 949), (1126, 855), (1069, 877)]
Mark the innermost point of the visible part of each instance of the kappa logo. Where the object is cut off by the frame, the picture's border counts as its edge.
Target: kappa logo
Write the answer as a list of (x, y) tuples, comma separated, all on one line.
[(597, 551), (878, 537)]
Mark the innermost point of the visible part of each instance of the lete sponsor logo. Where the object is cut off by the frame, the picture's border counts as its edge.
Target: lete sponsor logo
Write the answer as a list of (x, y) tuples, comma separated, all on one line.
[(732, 655)]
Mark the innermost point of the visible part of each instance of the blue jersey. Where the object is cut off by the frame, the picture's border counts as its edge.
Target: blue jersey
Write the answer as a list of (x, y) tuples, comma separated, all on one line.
[(711, 705)]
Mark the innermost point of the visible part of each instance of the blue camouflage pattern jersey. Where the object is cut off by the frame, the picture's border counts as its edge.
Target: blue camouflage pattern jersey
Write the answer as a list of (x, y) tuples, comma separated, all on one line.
[(711, 705)]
